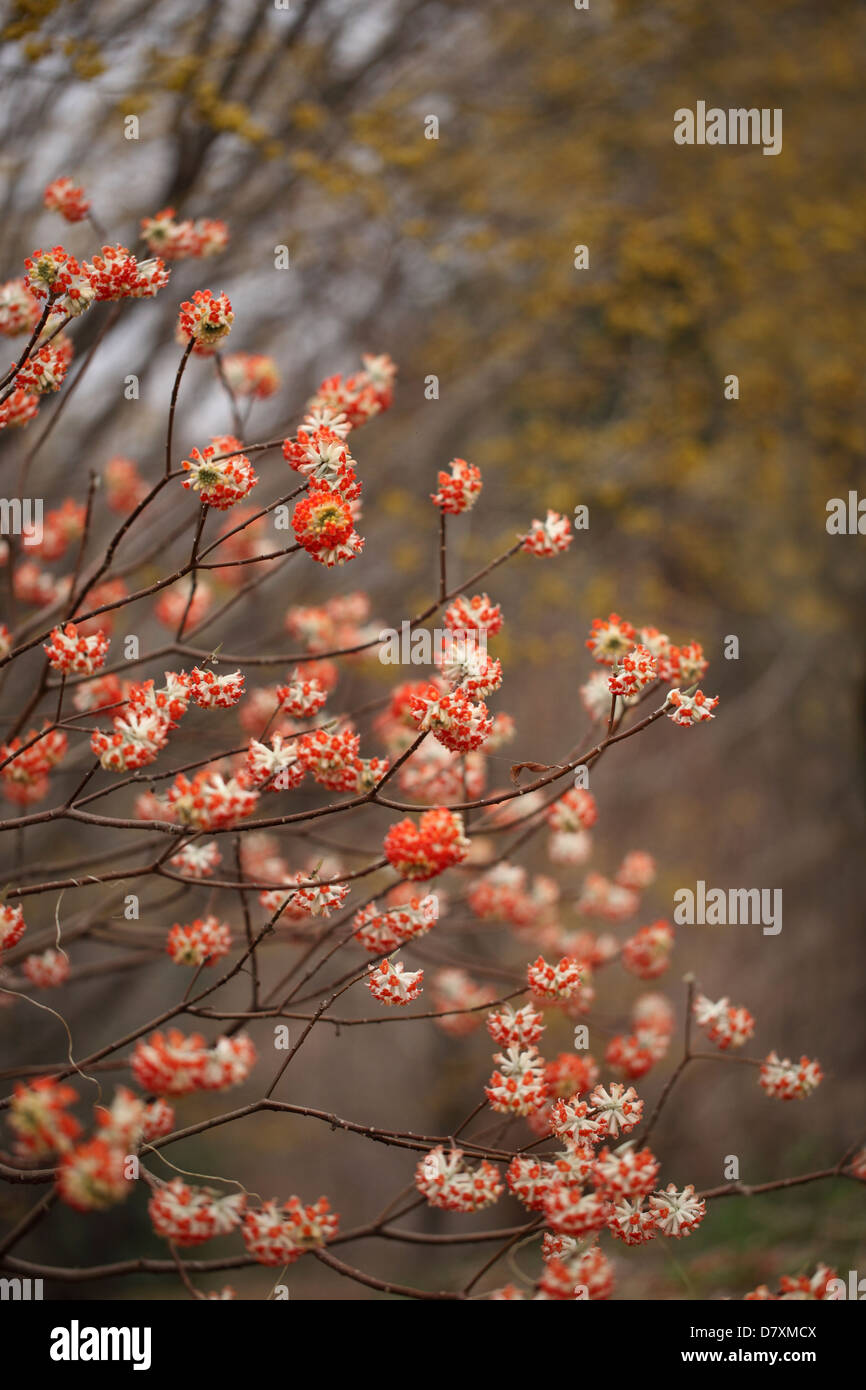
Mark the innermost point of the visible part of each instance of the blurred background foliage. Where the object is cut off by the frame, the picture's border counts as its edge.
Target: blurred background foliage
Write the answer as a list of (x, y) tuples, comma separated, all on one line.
[(305, 126)]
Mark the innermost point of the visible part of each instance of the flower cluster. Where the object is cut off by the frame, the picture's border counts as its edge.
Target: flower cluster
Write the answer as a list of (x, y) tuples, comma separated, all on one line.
[(460, 489), (392, 983), (278, 765), (351, 401), (52, 274), (468, 668), (607, 1112), (459, 724), (197, 860), (519, 1027), (570, 1271), (648, 953), (97, 1173), (210, 691), (141, 729), (27, 762), (39, 1117), (304, 896), (635, 670), (379, 931), (549, 537), (684, 665), (64, 197), (48, 969), (301, 698), (277, 1235), (574, 811), (332, 758), (556, 982), (44, 370), (18, 409), (117, 274), (209, 801), (202, 942), (325, 526), (611, 639), (517, 1086), (625, 1172), (92, 1176), (724, 1024), (73, 653), (174, 1064), (820, 1286), (205, 320), (617, 1110), (634, 1054), (220, 473), (788, 1080), (251, 374), (424, 850), (457, 996), (602, 898), (637, 871), (12, 926), (341, 622), (183, 603), (447, 1181), (323, 458), (187, 1215), (19, 308), (176, 241), (677, 1213), (475, 614), (688, 709), (324, 518), (505, 892)]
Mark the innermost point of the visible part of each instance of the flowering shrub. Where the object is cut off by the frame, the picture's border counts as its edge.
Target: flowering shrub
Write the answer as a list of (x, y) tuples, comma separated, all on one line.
[(570, 1139)]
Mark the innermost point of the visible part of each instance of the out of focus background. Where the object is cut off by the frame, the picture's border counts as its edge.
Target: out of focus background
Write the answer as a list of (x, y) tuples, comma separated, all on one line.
[(305, 127)]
